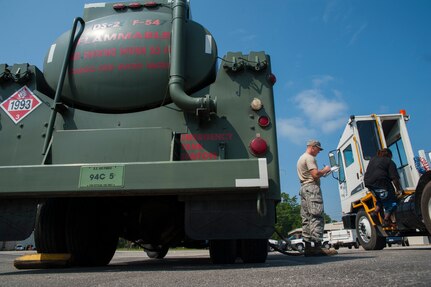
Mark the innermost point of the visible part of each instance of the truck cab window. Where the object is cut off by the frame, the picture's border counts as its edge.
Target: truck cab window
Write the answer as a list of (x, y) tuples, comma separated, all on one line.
[(398, 153), (341, 175), (369, 138), (348, 155)]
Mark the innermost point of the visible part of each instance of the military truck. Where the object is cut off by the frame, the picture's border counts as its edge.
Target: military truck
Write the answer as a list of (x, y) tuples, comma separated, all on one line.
[(137, 129), (363, 136)]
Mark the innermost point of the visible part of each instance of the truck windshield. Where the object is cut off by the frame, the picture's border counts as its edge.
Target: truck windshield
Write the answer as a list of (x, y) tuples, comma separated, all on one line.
[(369, 138)]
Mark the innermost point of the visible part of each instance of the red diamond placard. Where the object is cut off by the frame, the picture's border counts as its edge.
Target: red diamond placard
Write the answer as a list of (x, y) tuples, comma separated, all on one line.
[(20, 104)]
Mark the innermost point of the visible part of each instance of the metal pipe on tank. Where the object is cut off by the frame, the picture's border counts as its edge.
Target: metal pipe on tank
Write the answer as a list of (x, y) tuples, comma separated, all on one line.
[(203, 105)]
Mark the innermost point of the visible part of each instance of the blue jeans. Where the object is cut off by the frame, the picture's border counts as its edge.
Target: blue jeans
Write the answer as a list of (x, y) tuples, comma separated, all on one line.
[(386, 198)]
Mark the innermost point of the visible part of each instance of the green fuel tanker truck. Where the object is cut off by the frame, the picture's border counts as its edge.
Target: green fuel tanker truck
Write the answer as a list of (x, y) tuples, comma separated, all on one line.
[(137, 129)]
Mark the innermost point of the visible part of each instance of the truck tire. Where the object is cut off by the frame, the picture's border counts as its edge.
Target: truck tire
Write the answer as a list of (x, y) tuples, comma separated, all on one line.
[(156, 251), (254, 250), (367, 233), (426, 206), (223, 251), (49, 232), (91, 232), (299, 247)]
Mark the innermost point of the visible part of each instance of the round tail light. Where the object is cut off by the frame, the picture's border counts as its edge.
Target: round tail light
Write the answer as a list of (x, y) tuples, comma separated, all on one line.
[(135, 5), (264, 121), (258, 146), (119, 6), (271, 79)]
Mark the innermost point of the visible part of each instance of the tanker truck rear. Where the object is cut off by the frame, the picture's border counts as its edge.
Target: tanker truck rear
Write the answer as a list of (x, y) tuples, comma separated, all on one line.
[(363, 136), (133, 131)]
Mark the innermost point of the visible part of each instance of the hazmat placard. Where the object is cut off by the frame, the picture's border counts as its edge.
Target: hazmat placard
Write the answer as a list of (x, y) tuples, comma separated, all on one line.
[(20, 104)]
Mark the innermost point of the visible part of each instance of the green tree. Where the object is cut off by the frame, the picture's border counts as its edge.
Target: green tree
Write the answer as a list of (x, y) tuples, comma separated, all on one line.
[(289, 215)]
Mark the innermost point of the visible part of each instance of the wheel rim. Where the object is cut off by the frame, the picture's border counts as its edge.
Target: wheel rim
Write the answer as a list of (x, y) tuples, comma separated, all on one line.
[(429, 208), (364, 229)]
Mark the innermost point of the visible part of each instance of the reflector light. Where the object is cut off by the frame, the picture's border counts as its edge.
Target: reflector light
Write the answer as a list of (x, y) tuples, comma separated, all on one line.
[(119, 6), (271, 78), (135, 5), (403, 112), (264, 121), (256, 104), (150, 4), (258, 146)]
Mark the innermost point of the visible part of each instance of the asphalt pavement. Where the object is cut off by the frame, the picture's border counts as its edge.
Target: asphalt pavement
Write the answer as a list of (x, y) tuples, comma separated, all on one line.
[(395, 266)]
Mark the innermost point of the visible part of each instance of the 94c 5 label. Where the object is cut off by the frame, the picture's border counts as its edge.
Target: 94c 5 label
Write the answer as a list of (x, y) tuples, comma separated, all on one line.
[(101, 176)]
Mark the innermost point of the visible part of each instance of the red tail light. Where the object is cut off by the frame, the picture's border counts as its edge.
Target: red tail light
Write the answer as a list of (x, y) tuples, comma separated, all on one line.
[(258, 146), (271, 79), (135, 5), (119, 6), (264, 121)]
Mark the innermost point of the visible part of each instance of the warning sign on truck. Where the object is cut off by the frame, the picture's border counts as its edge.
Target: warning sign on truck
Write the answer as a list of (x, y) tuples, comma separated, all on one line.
[(20, 104)]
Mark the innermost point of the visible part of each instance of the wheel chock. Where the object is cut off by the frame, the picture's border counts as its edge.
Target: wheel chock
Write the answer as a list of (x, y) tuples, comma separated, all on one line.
[(42, 260)]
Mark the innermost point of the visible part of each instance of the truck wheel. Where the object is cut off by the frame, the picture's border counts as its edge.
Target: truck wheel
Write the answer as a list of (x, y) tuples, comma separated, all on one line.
[(254, 250), (91, 232), (49, 233), (337, 247), (426, 206), (326, 245), (223, 251), (299, 247), (367, 234), (156, 251)]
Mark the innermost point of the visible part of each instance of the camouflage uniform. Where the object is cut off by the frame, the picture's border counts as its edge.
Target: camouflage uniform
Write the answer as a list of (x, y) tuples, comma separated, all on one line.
[(311, 212)]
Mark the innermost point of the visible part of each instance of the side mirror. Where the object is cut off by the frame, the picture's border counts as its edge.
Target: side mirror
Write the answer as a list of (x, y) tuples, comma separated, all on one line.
[(332, 159), (333, 162)]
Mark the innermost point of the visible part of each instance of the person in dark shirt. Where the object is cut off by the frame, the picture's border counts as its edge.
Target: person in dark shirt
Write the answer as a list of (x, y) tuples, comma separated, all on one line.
[(381, 177)]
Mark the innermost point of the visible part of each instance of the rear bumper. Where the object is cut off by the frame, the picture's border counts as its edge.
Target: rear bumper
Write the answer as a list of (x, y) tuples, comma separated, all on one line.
[(138, 178)]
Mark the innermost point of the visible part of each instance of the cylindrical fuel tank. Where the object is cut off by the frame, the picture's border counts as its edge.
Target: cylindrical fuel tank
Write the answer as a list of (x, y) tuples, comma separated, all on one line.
[(407, 215), (121, 62)]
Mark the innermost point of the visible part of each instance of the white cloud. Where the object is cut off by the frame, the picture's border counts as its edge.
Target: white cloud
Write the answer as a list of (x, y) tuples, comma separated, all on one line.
[(355, 36), (322, 111), (319, 81), (295, 129)]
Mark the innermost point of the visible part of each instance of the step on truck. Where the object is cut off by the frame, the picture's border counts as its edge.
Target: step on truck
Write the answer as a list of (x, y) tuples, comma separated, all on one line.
[(363, 136), (137, 129)]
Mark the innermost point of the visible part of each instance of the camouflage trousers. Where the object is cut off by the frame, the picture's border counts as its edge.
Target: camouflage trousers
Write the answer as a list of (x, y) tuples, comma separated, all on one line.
[(312, 213)]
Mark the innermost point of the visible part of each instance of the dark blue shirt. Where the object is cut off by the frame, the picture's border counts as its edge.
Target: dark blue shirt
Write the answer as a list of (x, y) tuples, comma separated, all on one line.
[(380, 173)]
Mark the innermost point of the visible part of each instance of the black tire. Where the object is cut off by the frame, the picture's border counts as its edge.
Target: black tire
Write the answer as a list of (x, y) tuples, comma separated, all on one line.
[(91, 232), (337, 247), (299, 247), (156, 251), (254, 250), (367, 234), (223, 251), (326, 245), (426, 206), (356, 245), (49, 233), (389, 245)]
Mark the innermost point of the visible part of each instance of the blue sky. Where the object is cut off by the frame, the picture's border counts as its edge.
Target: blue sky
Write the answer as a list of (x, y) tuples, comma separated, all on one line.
[(332, 59)]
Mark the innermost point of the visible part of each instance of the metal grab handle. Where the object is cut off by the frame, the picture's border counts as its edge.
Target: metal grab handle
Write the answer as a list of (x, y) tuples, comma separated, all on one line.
[(72, 42)]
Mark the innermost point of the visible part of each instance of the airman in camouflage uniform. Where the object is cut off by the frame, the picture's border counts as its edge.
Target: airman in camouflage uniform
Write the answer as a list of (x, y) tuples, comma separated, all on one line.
[(311, 200)]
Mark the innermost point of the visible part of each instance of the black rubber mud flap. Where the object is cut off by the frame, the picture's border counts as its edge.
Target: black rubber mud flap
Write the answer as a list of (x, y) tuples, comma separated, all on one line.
[(17, 217)]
